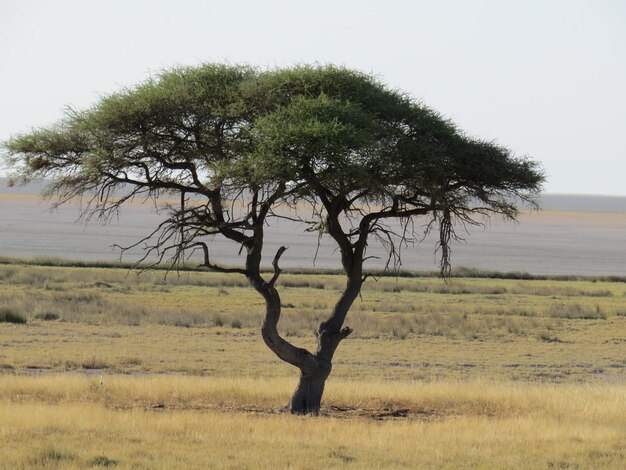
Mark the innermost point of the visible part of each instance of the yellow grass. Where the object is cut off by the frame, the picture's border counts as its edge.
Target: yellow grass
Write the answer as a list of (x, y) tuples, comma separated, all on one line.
[(589, 351), (192, 422), (477, 373)]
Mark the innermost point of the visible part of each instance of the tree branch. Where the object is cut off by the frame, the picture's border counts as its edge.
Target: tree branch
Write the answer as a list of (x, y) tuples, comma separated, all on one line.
[(277, 270), (213, 267)]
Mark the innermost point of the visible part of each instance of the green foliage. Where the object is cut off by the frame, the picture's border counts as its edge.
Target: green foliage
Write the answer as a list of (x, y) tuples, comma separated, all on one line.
[(316, 135), (319, 135), (328, 118)]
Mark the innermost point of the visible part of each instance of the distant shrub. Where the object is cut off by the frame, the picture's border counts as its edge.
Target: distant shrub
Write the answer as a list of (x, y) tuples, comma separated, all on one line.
[(103, 461), (47, 316), (94, 363), (236, 324), (303, 283), (598, 293), (400, 333), (181, 319), (131, 361), (464, 271), (548, 338), (576, 312), (9, 315), (51, 458), (294, 283), (102, 285)]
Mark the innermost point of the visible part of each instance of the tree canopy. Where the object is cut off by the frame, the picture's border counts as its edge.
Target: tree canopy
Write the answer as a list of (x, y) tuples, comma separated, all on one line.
[(356, 152)]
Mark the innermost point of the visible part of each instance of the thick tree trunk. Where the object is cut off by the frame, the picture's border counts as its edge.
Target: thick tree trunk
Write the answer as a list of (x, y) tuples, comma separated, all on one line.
[(307, 397)]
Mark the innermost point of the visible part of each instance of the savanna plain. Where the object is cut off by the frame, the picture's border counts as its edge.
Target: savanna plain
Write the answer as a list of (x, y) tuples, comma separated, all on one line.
[(100, 367)]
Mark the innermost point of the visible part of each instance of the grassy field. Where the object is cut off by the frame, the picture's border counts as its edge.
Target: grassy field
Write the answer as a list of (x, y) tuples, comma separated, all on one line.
[(200, 422), (99, 367)]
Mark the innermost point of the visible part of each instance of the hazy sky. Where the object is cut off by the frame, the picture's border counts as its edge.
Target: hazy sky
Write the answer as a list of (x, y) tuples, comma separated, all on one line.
[(546, 78)]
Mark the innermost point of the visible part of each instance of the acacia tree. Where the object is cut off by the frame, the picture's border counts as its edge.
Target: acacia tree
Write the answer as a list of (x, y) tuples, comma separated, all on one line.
[(235, 144)]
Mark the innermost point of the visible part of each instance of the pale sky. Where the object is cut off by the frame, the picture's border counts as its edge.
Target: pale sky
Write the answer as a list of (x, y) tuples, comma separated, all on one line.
[(546, 78)]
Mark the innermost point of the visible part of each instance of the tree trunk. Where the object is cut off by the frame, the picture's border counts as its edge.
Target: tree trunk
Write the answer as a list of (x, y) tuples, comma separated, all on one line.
[(307, 397), (314, 368)]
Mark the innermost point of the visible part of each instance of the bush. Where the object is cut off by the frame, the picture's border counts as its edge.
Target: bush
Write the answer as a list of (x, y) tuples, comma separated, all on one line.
[(103, 461), (576, 312), (47, 316), (548, 338), (9, 315), (51, 458), (94, 363)]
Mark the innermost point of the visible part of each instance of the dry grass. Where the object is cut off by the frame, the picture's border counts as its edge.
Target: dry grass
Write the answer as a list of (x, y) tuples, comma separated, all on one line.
[(115, 296), (597, 403), (480, 373), (405, 329), (182, 422), (589, 351)]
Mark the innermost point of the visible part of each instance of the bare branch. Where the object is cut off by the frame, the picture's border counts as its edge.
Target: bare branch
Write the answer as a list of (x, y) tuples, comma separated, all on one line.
[(277, 270), (214, 267)]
